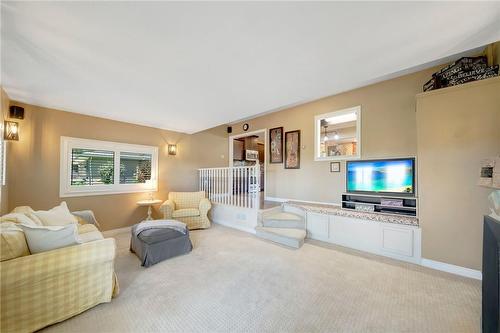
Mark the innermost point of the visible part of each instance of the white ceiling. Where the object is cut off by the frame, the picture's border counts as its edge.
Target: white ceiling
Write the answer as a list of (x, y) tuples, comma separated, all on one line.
[(191, 66)]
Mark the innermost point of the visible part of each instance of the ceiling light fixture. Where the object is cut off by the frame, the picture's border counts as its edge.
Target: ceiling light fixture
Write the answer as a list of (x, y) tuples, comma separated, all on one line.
[(336, 136)]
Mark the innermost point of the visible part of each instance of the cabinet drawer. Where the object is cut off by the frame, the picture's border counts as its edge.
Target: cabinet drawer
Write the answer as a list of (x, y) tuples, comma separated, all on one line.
[(397, 240), (317, 226)]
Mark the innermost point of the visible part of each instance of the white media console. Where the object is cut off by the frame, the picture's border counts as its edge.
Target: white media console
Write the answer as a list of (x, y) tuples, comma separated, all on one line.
[(389, 235)]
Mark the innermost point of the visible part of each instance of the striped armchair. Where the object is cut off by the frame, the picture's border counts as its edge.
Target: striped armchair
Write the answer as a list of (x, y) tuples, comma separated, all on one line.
[(188, 207)]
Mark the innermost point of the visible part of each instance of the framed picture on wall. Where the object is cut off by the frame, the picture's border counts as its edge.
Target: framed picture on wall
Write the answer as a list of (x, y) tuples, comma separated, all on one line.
[(334, 166), (292, 150), (276, 145)]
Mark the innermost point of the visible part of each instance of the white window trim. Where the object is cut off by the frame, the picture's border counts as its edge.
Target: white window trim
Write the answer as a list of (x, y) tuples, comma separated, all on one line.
[(68, 190), (317, 134)]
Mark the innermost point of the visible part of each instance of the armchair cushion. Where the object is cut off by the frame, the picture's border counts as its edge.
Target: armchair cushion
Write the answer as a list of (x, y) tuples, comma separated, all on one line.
[(186, 212)]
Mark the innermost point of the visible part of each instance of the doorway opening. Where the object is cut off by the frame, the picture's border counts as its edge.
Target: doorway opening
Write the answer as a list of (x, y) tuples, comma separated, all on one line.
[(249, 149)]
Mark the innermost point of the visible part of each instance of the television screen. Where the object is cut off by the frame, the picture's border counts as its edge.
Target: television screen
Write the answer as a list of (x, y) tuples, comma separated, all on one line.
[(385, 176)]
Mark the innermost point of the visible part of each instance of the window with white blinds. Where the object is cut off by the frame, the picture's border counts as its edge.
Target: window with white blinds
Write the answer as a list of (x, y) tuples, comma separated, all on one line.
[(91, 167)]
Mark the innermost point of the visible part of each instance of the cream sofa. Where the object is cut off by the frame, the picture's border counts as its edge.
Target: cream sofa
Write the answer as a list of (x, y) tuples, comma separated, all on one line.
[(41, 289), (188, 207)]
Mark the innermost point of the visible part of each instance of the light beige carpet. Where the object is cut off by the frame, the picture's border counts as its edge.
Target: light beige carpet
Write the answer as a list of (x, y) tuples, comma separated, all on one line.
[(234, 282)]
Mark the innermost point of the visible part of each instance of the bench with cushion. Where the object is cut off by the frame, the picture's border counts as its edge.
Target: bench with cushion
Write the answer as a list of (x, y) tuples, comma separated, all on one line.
[(155, 245)]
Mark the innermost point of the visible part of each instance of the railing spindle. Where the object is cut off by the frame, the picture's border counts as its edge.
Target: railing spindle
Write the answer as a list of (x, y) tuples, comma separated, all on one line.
[(245, 185), (219, 184)]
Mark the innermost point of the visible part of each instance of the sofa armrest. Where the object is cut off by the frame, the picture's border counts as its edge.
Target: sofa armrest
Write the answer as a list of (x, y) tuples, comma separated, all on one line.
[(167, 208), (204, 206), (47, 265), (88, 216)]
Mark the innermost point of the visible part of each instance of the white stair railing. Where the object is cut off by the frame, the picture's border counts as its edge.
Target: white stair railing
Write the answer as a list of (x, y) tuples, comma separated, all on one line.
[(235, 186)]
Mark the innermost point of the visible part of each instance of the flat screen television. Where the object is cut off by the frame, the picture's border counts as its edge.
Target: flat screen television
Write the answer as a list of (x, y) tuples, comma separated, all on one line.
[(389, 176)]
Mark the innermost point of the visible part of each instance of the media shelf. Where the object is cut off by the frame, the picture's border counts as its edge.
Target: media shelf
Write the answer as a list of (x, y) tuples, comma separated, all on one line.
[(380, 204)]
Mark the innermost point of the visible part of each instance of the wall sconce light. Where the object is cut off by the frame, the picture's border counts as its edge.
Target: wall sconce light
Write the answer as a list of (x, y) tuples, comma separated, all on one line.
[(16, 112), (10, 130), (172, 149)]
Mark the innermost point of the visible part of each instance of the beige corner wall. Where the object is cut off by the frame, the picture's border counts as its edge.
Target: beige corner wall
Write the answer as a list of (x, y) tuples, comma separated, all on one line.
[(388, 130), (33, 162), (456, 128), (4, 190)]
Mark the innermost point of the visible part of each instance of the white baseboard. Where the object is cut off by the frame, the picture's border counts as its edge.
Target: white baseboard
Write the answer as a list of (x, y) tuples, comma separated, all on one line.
[(114, 232), (297, 200), (234, 226), (453, 269), (275, 199)]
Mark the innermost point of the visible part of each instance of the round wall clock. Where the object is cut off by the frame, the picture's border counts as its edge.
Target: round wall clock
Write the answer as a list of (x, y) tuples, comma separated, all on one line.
[(245, 127)]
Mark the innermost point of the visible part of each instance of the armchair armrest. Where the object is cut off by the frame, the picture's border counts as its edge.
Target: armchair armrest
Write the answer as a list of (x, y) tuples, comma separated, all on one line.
[(88, 216), (167, 208), (204, 207)]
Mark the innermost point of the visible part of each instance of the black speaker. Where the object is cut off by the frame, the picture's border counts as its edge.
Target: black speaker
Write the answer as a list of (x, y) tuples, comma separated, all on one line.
[(16, 112), (229, 129)]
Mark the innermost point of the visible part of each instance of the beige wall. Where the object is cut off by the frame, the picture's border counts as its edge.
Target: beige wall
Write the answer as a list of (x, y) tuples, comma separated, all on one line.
[(492, 51), (33, 161), (456, 128), (388, 130), (4, 191)]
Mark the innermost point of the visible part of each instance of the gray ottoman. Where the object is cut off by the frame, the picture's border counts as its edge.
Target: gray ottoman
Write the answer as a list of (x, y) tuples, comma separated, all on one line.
[(155, 245)]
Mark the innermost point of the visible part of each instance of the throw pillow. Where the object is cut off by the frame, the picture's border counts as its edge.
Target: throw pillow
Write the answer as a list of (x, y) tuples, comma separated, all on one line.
[(17, 218), (29, 212), (41, 239), (12, 241), (59, 215)]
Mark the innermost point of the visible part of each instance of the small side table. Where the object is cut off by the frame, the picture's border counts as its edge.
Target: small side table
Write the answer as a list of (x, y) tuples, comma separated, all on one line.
[(149, 203)]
